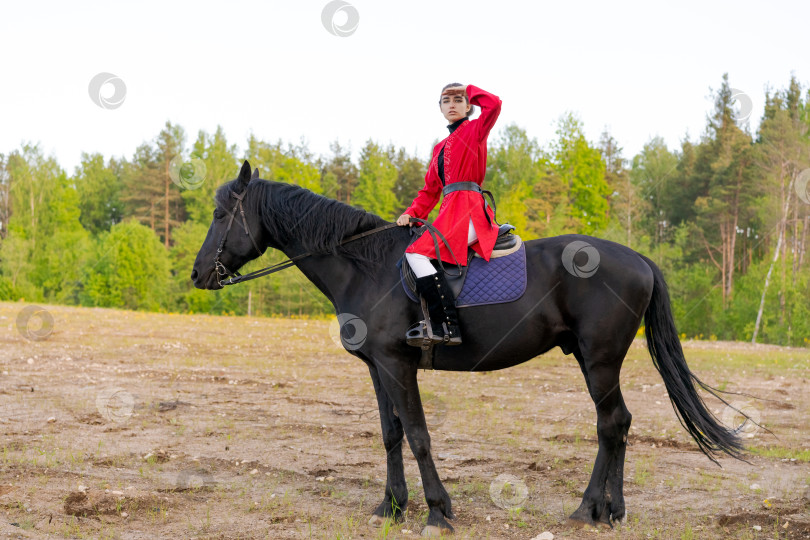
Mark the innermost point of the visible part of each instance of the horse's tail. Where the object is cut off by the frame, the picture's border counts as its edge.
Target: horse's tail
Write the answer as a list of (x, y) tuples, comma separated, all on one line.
[(681, 383)]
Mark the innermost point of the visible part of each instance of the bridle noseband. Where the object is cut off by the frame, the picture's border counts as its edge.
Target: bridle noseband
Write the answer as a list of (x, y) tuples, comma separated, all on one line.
[(222, 271)]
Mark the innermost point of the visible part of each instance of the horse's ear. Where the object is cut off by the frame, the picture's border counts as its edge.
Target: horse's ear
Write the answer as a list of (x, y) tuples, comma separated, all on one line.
[(244, 174), (255, 174)]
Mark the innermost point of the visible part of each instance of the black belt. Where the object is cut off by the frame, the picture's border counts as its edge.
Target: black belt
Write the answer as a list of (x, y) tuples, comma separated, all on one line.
[(462, 186), (472, 186)]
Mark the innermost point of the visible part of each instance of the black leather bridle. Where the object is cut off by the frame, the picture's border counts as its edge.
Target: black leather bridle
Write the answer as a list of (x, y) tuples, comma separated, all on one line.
[(221, 269), (235, 277)]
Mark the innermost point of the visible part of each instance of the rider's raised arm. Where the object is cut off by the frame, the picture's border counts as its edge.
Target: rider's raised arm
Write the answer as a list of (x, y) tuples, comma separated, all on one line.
[(490, 109), (428, 196)]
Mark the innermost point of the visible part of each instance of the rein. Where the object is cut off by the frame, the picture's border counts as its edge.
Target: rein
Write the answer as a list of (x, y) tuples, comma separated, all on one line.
[(238, 278), (235, 277), (434, 232)]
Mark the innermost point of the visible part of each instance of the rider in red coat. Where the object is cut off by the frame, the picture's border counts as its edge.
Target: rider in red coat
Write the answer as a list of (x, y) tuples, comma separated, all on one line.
[(464, 217)]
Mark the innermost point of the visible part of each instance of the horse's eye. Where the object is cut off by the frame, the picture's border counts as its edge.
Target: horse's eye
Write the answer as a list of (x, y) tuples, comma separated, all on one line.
[(218, 214)]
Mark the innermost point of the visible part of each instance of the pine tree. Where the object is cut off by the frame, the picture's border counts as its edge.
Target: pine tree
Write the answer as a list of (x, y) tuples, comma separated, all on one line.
[(339, 174), (149, 194), (170, 143), (375, 186), (725, 167)]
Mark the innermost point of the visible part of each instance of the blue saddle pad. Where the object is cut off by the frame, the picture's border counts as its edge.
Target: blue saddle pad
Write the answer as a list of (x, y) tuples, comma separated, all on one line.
[(495, 282)]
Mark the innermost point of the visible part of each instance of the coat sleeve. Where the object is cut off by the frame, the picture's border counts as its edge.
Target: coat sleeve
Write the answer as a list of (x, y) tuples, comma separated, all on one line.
[(428, 196), (490, 109)]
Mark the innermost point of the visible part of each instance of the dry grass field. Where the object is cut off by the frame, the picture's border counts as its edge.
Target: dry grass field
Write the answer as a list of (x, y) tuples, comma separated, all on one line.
[(140, 425)]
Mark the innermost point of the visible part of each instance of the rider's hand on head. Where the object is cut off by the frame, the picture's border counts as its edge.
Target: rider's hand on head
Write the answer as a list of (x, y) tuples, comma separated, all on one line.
[(404, 219), (455, 90)]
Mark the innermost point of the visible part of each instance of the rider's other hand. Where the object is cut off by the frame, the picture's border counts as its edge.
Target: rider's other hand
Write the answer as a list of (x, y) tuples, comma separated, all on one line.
[(404, 219)]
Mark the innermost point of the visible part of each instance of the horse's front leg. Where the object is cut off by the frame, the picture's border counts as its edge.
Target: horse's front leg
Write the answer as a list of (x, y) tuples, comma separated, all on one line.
[(398, 379), (396, 489)]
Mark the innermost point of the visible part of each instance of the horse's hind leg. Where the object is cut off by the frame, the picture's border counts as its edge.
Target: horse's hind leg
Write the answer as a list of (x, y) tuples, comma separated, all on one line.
[(396, 489), (603, 500)]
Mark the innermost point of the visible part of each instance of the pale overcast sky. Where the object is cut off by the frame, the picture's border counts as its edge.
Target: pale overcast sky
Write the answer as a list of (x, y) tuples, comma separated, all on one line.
[(273, 69)]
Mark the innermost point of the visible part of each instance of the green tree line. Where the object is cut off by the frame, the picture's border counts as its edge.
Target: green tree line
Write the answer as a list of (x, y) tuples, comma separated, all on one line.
[(722, 215)]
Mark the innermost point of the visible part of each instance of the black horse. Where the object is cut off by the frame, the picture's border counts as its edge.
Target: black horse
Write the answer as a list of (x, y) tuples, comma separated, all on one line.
[(584, 295)]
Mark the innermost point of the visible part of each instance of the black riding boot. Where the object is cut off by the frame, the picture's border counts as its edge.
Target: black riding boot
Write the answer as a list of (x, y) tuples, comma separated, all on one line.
[(440, 310)]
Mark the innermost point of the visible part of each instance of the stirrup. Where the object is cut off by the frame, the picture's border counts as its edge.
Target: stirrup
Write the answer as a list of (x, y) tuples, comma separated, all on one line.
[(421, 335)]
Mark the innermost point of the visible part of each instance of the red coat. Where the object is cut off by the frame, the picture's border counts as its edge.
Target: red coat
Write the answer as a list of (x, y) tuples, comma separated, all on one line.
[(465, 160)]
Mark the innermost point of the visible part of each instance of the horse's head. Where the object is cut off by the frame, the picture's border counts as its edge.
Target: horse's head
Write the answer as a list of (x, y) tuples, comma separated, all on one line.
[(236, 233)]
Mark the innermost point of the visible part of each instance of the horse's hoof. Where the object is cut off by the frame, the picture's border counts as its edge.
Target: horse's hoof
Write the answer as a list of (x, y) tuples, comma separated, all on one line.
[(377, 521), (578, 523), (433, 530)]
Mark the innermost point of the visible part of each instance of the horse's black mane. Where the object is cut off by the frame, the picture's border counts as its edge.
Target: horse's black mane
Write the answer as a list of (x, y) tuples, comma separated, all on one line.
[(290, 212)]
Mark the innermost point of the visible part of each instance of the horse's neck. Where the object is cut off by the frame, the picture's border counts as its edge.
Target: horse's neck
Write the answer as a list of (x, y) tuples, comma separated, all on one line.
[(338, 276), (323, 271)]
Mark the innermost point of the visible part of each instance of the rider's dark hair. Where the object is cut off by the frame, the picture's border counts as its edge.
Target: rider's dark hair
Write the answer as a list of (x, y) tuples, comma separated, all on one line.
[(466, 98)]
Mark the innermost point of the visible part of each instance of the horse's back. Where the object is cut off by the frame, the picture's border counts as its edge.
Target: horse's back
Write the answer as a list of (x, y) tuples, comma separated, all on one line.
[(595, 283), (583, 256)]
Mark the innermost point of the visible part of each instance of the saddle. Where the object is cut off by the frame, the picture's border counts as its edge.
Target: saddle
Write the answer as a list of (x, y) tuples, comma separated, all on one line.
[(506, 244)]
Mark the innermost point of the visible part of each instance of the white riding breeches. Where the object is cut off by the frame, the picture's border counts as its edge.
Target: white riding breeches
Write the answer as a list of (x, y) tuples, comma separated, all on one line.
[(421, 265)]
